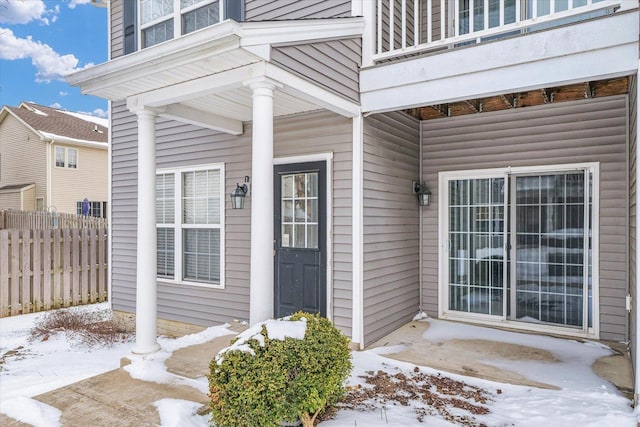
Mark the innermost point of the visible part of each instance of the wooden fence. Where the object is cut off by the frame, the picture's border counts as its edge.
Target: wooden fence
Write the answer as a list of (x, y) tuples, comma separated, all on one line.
[(10, 219), (45, 269)]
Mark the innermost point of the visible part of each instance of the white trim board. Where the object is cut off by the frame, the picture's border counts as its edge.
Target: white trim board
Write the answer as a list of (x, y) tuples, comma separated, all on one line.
[(328, 159)]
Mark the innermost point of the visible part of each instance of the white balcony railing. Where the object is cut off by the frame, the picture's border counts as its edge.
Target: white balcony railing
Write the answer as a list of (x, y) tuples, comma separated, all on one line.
[(405, 27)]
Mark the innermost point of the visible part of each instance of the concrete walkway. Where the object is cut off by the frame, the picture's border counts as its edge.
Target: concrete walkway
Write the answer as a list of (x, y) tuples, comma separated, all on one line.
[(116, 399)]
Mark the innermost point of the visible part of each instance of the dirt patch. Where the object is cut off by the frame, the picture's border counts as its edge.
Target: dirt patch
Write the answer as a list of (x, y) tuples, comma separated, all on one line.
[(455, 401)]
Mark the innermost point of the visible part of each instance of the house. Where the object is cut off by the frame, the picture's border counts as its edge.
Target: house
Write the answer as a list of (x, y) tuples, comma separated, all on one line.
[(52, 159), (392, 156)]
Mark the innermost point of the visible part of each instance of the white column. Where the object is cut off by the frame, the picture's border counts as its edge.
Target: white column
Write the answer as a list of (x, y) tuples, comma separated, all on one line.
[(357, 310), (146, 284), (635, 305), (261, 286)]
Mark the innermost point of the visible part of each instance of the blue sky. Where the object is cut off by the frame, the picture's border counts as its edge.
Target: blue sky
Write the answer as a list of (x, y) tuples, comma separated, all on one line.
[(42, 40)]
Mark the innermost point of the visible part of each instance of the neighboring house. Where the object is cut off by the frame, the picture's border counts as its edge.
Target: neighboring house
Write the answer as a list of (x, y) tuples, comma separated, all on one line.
[(51, 159), (517, 121)]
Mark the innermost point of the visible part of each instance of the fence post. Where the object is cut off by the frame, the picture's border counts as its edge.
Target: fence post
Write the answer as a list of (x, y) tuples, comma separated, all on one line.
[(75, 272), (93, 278), (4, 273), (37, 270), (102, 271), (25, 286), (84, 272), (14, 290), (57, 269), (46, 271), (67, 300)]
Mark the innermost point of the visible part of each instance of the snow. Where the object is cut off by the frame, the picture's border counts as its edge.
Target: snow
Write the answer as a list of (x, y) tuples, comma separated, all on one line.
[(151, 367), (584, 399), (93, 119), (30, 411), (180, 413), (277, 329)]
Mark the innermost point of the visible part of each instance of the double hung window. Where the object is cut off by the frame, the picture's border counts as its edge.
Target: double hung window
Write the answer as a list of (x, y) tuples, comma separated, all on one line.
[(162, 20), (66, 157), (190, 218)]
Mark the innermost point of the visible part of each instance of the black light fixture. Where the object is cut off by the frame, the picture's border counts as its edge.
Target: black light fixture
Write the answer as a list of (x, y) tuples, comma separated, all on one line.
[(239, 193), (422, 192)]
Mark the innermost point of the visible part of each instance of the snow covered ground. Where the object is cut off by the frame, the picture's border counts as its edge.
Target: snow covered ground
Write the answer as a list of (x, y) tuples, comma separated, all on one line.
[(31, 367)]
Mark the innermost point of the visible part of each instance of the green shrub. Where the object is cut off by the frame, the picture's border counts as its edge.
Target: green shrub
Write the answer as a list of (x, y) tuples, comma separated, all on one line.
[(262, 380)]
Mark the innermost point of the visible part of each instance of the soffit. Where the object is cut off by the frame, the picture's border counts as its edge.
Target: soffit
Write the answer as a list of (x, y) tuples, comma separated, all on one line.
[(215, 64)]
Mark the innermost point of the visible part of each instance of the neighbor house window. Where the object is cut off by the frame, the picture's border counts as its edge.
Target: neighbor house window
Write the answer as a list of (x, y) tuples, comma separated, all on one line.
[(67, 157), (162, 20), (189, 217), (96, 209), (39, 203)]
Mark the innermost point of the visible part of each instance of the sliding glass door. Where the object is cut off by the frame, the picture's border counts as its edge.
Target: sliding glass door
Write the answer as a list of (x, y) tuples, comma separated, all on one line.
[(552, 241), (519, 247), (476, 245)]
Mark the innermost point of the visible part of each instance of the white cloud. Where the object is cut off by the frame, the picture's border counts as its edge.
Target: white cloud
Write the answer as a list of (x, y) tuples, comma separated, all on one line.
[(74, 3), (56, 105), (99, 112), (50, 65), (63, 93), (25, 11)]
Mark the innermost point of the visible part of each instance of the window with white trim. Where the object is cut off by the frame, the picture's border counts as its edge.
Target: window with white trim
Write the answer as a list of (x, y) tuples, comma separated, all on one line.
[(67, 157), (162, 20), (95, 209), (189, 224)]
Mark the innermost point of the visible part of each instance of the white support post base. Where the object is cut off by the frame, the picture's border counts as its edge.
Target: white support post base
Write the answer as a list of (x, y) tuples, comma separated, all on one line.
[(146, 283), (262, 281)]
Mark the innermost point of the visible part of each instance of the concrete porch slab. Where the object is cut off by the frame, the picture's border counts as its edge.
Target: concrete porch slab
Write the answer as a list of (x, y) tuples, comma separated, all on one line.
[(471, 356)]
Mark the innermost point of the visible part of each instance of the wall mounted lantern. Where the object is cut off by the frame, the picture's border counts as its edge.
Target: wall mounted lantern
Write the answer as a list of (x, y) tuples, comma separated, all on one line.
[(239, 193), (422, 192)]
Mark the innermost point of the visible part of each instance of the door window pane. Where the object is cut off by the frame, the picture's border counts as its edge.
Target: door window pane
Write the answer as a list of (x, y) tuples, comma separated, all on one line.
[(299, 215)]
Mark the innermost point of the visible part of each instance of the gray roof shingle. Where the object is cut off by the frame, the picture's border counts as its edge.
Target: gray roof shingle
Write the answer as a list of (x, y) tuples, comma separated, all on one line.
[(59, 123)]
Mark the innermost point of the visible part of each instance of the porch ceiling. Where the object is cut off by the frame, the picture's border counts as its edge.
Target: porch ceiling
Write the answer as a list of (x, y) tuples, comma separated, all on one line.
[(204, 77), (508, 101)]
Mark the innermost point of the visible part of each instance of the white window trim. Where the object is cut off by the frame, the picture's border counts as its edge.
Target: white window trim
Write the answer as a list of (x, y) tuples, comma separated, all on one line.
[(177, 19), (503, 321), (66, 157), (178, 226)]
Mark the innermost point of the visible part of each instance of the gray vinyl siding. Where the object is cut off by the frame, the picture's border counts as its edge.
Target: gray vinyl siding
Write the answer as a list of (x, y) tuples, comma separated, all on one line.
[(117, 34), (325, 132), (390, 223), (269, 10), (180, 145), (332, 64), (124, 135), (582, 131), (633, 149)]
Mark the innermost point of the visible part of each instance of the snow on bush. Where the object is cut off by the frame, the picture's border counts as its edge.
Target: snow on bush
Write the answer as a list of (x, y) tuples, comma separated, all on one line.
[(279, 370)]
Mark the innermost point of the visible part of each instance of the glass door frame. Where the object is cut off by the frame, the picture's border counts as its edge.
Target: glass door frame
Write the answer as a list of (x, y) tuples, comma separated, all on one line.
[(443, 244)]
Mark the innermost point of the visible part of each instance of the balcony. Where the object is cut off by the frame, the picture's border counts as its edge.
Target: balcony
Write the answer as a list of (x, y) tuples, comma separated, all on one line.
[(408, 27)]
